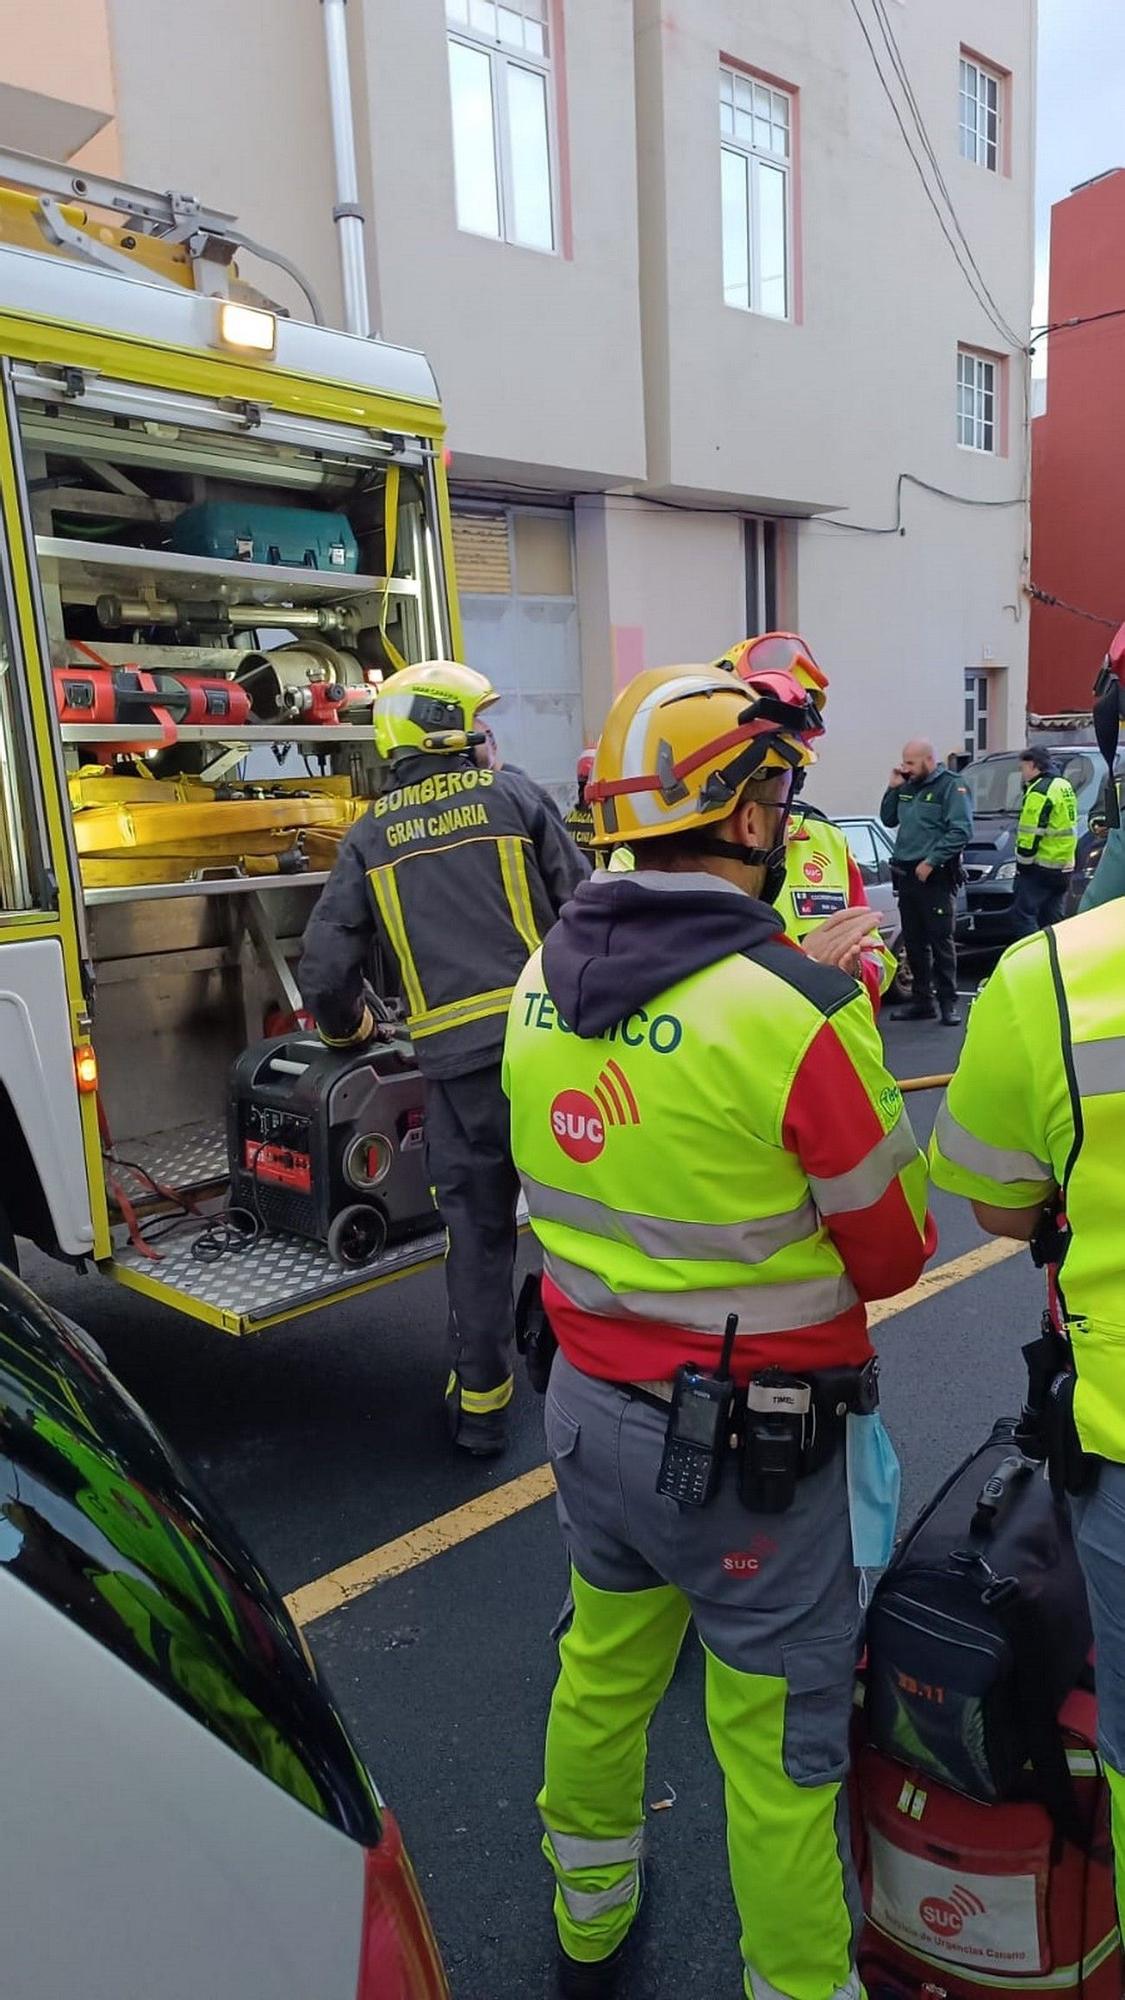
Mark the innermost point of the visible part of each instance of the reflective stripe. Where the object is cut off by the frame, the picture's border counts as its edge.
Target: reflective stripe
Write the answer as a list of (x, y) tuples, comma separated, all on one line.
[(996, 1163), (1083, 1763), (749, 1242), (1064, 1978), (1100, 1066), (513, 871), (573, 1851), (763, 1308), (458, 1013), (385, 889), (586, 1904), (479, 1402), (764, 1989), (865, 1184)]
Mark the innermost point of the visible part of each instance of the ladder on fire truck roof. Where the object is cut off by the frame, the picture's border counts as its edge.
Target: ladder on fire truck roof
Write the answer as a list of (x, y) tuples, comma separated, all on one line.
[(208, 236)]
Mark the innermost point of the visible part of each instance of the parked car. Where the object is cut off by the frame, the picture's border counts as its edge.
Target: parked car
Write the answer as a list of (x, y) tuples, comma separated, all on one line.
[(872, 845), (1090, 850), (996, 790), (184, 1811)]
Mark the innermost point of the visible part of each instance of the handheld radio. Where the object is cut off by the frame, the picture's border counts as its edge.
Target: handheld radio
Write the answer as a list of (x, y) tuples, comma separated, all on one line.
[(698, 1429)]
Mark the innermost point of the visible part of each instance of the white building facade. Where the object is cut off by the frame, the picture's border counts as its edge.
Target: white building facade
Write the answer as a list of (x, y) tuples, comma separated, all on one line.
[(696, 319)]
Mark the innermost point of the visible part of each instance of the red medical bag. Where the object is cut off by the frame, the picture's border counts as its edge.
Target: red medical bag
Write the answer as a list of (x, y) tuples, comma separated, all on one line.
[(965, 1901)]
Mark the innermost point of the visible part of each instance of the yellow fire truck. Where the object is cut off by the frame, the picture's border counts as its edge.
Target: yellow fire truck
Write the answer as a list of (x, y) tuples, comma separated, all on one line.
[(221, 525)]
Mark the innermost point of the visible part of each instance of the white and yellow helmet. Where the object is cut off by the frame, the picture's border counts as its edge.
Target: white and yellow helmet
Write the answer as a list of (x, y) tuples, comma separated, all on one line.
[(431, 707), (680, 743)]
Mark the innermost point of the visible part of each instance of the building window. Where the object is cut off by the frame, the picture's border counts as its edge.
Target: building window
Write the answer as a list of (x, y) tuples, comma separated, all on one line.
[(976, 714), (503, 143), (760, 550), (756, 134), (977, 414), (980, 114)]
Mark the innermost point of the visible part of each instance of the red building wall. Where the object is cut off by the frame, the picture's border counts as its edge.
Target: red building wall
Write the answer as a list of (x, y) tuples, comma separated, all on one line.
[(1078, 451)]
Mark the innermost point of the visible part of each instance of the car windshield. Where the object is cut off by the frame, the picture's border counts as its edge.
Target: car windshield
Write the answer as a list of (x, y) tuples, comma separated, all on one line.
[(995, 784)]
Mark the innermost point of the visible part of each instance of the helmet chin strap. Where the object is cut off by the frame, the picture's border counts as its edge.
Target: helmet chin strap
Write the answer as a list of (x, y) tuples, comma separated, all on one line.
[(772, 859)]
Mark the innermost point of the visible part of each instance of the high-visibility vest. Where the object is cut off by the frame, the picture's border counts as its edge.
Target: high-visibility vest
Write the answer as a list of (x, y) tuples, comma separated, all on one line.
[(1048, 829), (1061, 993), (818, 882), (652, 1157)]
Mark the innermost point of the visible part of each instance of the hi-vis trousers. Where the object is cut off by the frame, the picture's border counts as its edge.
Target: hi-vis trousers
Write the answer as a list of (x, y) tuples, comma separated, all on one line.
[(774, 1601)]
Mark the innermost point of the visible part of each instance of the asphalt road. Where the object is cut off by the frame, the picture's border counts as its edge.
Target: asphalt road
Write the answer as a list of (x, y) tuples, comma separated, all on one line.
[(325, 1439)]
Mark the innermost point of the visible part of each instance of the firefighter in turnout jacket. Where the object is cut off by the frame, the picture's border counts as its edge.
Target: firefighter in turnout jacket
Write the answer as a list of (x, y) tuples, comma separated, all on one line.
[(822, 877), (1046, 842), (1033, 1119), (580, 820), (705, 1129), (459, 872)]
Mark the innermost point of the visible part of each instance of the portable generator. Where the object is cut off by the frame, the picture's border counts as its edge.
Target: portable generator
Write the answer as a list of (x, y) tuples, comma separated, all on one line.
[(328, 1144)]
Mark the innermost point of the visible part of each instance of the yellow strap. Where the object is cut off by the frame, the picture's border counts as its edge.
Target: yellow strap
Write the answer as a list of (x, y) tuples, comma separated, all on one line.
[(385, 888), (513, 870), (363, 1033), (461, 1013), (390, 544)]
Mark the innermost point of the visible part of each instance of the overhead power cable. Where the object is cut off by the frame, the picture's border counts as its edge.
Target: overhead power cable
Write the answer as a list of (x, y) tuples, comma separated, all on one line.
[(1075, 610), (964, 268), (1080, 319), (899, 63), (924, 486)]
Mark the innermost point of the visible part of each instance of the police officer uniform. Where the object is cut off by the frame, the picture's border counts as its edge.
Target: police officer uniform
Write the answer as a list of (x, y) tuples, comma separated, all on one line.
[(579, 820), (1046, 844), (459, 872), (934, 821), (703, 1126), (1037, 1103)]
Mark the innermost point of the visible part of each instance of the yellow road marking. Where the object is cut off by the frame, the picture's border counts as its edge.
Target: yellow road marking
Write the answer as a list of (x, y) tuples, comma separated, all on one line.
[(940, 1276), (338, 1587)]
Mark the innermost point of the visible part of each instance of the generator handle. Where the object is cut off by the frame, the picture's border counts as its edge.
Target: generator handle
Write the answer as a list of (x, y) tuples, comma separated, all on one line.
[(287, 1067)]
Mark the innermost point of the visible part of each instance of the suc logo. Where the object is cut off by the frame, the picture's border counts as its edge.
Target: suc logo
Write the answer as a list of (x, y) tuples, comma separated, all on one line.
[(578, 1125), (945, 1916), (579, 1121)]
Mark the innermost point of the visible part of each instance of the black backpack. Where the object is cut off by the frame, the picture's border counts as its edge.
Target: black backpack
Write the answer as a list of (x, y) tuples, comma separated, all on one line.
[(977, 1632)]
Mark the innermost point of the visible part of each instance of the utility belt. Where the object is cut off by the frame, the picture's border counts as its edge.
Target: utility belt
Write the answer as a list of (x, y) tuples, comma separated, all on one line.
[(778, 1429)]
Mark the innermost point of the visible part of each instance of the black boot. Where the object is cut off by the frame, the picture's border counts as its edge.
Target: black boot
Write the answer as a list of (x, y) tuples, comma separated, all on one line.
[(921, 1008), (576, 1979), (597, 1981), (482, 1433), (950, 1015)]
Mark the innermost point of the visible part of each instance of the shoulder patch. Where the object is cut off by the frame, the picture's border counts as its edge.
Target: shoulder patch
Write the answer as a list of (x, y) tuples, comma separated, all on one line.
[(824, 986)]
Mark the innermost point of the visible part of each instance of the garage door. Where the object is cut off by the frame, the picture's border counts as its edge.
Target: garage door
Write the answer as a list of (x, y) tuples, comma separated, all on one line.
[(515, 575)]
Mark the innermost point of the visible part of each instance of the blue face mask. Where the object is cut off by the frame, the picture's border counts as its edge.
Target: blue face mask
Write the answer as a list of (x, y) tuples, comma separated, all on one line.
[(874, 1487)]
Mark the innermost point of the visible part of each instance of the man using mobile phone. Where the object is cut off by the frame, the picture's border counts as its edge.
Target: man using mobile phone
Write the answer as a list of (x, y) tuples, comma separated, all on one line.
[(929, 806)]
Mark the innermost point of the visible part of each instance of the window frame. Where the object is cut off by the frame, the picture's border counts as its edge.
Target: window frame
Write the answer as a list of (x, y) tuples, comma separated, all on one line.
[(984, 74), (761, 552), (502, 58), (978, 693), (756, 158), (984, 421)]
